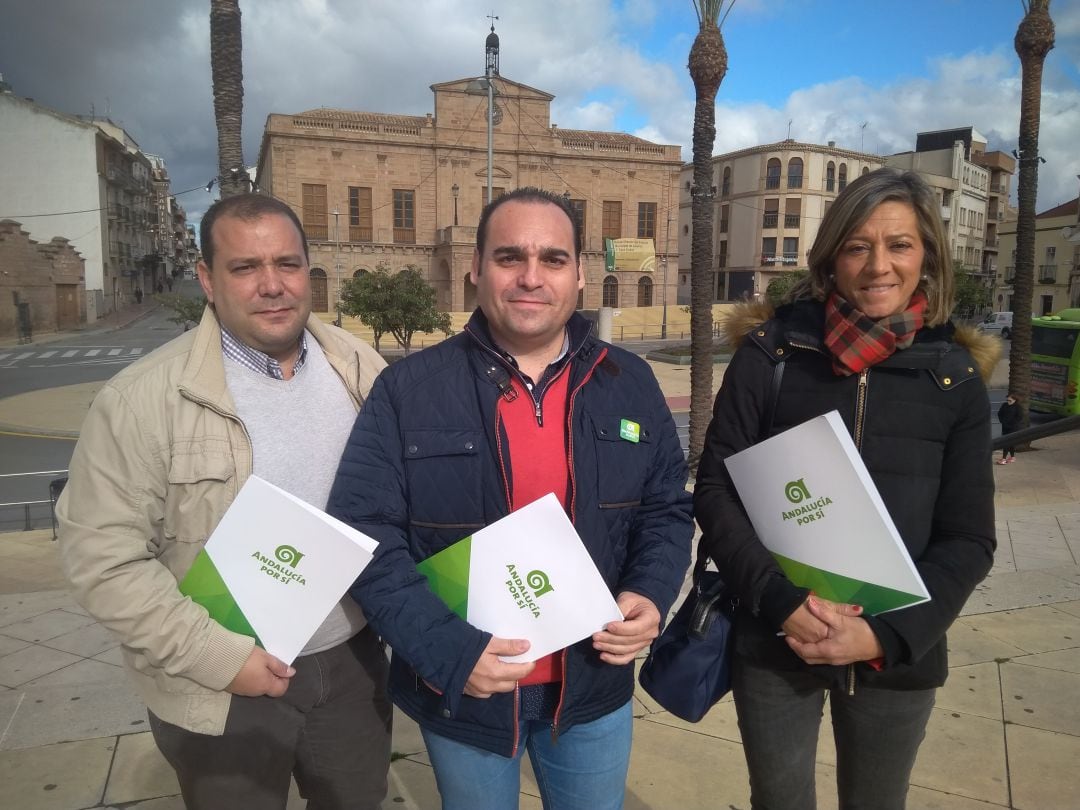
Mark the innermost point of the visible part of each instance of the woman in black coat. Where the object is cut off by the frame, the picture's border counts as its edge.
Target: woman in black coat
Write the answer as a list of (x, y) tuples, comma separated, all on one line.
[(1011, 417), (867, 334)]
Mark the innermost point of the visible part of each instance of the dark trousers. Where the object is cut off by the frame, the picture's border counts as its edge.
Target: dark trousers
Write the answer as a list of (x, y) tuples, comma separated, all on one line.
[(877, 734), (331, 729)]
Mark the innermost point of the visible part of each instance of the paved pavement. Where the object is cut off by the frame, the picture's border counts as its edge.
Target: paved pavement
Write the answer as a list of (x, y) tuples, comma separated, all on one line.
[(1005, 731)]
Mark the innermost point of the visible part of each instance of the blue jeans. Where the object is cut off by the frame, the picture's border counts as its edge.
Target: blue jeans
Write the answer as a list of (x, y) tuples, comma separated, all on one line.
[(584, 769), (877, 734)]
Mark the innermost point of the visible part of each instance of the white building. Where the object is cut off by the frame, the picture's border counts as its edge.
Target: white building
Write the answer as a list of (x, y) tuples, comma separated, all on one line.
[(84, 181)]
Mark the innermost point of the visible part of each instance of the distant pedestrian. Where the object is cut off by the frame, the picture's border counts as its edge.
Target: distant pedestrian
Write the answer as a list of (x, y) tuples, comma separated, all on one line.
[(1011, 416), (159, 289), (138, 295), (168, 283)]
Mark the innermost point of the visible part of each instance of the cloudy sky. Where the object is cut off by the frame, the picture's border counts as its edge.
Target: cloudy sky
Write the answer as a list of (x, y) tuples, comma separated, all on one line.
[(825, 66)]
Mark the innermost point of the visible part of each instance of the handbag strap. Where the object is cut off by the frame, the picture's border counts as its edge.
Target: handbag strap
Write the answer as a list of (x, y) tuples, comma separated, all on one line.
[(701, 560)]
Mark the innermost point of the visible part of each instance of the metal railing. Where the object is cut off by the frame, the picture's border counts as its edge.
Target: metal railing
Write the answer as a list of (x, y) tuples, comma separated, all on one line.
[(1030, 434), (36, 513)]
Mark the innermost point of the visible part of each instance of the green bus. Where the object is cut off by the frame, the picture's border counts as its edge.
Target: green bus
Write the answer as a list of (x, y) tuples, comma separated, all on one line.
[(1055, 363)]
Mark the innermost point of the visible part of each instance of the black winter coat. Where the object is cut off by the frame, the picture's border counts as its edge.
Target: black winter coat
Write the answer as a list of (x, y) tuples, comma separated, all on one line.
[(923, 430), (1010, 417), (423, 468)]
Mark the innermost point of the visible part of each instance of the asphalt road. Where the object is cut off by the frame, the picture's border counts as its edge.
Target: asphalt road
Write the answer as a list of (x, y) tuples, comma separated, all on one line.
[(89, 356)]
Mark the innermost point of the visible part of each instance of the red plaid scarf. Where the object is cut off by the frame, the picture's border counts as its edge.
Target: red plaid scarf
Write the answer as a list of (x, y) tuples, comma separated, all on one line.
[(858, 342)]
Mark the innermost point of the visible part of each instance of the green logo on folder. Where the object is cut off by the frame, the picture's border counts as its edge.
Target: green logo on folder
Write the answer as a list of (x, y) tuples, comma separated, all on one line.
[(631, 431), (796, 491)]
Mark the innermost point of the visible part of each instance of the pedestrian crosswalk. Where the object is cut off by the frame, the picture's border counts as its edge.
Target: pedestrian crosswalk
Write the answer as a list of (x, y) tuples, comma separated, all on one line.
[(63, 356)]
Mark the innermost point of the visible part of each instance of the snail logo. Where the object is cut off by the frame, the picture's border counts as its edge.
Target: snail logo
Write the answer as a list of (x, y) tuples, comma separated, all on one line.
[(288, 555), (539, 582), (796, 491)]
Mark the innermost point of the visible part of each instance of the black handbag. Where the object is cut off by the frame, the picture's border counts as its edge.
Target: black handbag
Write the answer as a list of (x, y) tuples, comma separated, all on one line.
[(689, 666)]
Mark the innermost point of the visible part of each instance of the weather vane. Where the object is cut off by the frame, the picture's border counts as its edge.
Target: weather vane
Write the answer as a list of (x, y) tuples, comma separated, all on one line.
[(493, 17)]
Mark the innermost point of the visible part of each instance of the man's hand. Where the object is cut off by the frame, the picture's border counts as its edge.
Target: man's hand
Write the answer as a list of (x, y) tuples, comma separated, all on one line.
[(619, 642), (849, 637), (490, 675), (262, 674)]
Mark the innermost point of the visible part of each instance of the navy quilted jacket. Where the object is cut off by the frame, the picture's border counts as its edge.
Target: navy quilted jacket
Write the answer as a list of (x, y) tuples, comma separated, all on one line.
[(423, 469)]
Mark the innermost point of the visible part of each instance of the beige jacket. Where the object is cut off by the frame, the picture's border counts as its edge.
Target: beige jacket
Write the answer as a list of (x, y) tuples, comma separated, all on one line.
[(160, 457)]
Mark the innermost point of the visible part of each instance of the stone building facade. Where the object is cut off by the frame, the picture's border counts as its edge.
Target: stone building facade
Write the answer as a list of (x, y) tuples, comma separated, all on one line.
[(44, 284), (400, 190)]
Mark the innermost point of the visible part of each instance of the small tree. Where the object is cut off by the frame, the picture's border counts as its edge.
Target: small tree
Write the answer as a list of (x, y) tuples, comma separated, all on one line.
[(972, 296), (780, 286), (368, 297), (401, 304), (187, 310)]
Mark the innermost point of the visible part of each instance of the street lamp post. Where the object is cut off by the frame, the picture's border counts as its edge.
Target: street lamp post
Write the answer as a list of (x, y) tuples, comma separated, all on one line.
[(454, 190), (337, 268)]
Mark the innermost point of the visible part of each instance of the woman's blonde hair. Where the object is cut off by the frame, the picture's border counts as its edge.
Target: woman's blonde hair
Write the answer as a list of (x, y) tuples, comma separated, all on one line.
[(853, 206)]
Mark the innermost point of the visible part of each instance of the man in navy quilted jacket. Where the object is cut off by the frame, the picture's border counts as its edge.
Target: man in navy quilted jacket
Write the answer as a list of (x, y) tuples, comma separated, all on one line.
[(524, 402)]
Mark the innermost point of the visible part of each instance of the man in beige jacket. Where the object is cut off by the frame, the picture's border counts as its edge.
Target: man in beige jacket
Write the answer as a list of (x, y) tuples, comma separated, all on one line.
[(259, 387)]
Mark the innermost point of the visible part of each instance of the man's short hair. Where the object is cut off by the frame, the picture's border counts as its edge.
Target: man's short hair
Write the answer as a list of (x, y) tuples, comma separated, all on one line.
[(529, 194), (248, 207)]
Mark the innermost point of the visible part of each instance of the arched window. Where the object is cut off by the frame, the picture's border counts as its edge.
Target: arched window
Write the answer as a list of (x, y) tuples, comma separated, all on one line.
[(644, 292), (830, 176), (794, 173), (725, 186), (772, 173), (361, 272), (842, 183), (319, 300), (866, 170), (611, 292)]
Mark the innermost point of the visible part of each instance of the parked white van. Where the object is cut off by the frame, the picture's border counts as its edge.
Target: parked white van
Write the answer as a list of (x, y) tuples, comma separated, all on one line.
[(997, 323)]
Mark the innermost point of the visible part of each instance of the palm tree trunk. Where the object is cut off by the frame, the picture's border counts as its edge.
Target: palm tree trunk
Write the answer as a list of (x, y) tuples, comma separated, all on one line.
[(226, 65), (708, 65), (1034, 39)]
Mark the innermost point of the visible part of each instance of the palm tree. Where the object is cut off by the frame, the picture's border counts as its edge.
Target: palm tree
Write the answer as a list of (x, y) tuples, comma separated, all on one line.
[(708, 65), (1034, 39), (227, 70)]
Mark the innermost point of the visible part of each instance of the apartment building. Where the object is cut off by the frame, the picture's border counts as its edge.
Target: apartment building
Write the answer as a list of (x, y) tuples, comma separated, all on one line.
[(1057, 261), (384, 188), (768, 203)]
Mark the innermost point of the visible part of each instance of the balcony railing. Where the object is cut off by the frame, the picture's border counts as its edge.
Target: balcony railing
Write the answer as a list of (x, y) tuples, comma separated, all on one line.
[(769, 220), (772, 182), (1010, 273), (830, 184), (794, 181), (316, 231), (841, 185), (725, 189), (992, 242), (360, 233), (1048, 274), (768, 258), (405, 236), (723, 226), (791, 220)]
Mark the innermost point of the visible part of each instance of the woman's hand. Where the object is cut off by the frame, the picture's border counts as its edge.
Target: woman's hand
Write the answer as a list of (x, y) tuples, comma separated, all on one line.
[(848, 638), (805, 626)]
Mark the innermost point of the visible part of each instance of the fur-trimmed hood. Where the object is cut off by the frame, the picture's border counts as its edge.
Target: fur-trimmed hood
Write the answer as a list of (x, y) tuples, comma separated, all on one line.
[(736, 323)]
